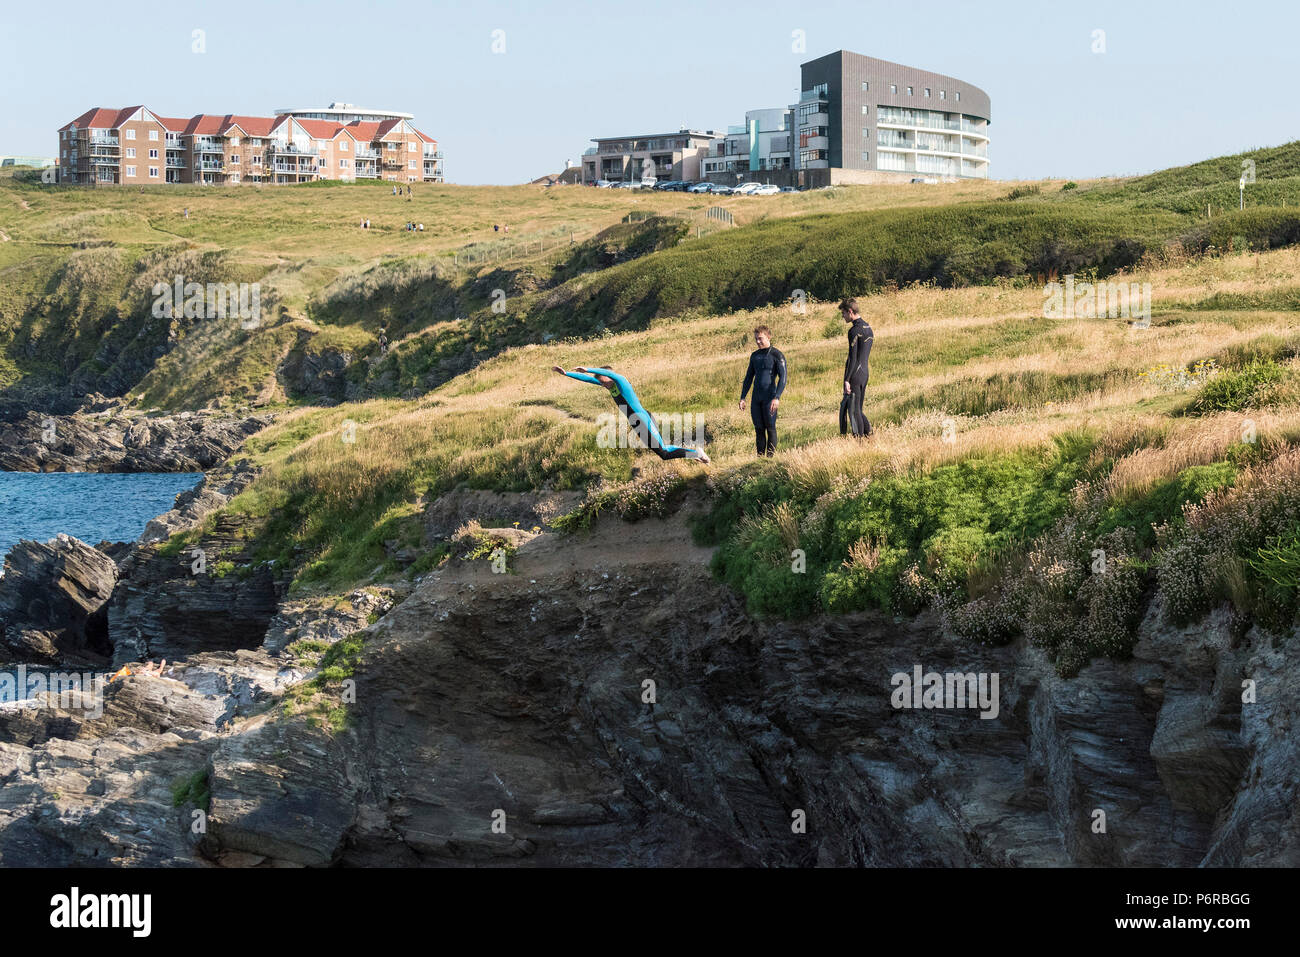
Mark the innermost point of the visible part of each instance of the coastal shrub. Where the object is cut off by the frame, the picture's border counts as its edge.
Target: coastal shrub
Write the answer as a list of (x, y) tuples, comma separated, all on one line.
[(1237, 389)]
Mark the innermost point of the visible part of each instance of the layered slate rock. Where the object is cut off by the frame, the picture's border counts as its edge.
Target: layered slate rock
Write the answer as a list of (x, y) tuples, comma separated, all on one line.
[(53, 602), (117, 440)]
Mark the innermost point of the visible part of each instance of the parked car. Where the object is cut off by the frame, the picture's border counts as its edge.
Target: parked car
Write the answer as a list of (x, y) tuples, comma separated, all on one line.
[(603, 183), (664, 184), (767, 189), (789, 189), (745, 189), (680, 186), (718, 189), (700, 188)]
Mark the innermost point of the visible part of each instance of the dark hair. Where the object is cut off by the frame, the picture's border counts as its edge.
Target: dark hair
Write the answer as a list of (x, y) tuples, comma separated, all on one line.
[(850, 304)]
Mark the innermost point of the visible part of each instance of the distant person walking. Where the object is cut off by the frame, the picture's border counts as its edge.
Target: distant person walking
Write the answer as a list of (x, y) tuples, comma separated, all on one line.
[(856, 372), (767, 374)]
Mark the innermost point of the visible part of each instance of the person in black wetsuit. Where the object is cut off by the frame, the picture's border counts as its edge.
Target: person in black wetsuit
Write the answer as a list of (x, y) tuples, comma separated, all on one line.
[(856, 372), (767, 374)]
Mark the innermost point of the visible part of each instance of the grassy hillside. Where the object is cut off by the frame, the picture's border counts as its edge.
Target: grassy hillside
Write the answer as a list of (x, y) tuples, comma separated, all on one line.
[(1003, 440), (1041, 476), (78, 266)]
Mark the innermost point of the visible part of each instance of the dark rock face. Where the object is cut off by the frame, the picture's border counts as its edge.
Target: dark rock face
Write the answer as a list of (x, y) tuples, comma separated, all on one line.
[(608, 703), (321, 375), (174, 605), (522, 695), (120, 441), (53, 601)]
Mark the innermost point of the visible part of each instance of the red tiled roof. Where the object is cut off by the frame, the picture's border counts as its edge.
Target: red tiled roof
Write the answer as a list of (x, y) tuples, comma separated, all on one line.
[(205, 124), (252, 125), (366, 131), (210, 124), (101, 118), (320, 129)]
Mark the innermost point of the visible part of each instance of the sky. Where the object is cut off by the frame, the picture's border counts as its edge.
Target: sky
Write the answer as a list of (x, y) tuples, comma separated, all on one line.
[(513, 89)]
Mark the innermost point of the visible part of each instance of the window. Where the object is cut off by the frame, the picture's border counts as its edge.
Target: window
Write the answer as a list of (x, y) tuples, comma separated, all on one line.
[(234, 141), (343, 146), (153, 172), (130, 171), (866, 156), (957, 96), (153, 154), (410, 145), (153, 136), (234, 177), (234, 159), (893, 88), (865, 109), (865, 131), (343, 162), (410, 164), (943, 94), (130, 152), (130, 134), (927, 91), (909, 91), (865, 86)]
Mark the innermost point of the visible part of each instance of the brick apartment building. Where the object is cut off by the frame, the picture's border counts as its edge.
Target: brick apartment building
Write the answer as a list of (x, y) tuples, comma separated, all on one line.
[(135, 146)]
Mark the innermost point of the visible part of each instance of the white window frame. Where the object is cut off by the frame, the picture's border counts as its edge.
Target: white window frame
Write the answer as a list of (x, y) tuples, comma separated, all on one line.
[(153, 172)]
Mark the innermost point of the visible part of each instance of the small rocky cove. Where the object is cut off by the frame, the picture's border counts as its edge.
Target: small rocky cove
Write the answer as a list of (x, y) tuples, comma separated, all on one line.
[(475, 695)]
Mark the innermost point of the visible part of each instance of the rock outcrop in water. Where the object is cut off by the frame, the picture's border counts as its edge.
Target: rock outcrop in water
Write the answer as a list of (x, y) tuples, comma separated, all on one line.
[(117, 440), (53, 602)]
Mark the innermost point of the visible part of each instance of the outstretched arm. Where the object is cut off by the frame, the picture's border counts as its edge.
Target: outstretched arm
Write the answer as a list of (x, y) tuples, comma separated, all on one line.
[(581, 377)]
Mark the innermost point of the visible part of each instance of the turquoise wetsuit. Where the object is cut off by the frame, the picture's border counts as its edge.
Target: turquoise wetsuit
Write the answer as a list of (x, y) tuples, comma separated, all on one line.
[(637, 417)]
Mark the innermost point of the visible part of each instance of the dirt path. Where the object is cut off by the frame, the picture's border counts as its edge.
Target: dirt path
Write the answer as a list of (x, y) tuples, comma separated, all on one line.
[(4, 236)]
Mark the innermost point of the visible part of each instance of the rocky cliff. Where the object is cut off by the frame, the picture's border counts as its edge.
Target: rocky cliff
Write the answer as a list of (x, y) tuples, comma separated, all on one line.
[(508, 718), (110, 438)]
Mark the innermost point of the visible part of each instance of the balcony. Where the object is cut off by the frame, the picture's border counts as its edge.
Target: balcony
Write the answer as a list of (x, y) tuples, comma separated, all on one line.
[(293, 150), (291, 168), (175, 161), (366, 154), (103, 160), (432, 154), (366, 172), (206, 144)]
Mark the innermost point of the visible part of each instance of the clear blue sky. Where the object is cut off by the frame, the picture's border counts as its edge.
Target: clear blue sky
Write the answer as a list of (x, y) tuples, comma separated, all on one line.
[(1177, 82)]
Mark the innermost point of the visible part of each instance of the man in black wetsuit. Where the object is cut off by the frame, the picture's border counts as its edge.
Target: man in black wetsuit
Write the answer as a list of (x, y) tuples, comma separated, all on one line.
[(856, 372), (767, 374)]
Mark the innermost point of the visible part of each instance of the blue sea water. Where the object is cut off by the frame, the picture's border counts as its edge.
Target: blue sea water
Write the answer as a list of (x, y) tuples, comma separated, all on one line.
[(93, 507)]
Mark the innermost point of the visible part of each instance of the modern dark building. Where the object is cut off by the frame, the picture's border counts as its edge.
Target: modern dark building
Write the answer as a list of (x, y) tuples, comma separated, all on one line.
[(871, 121)]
